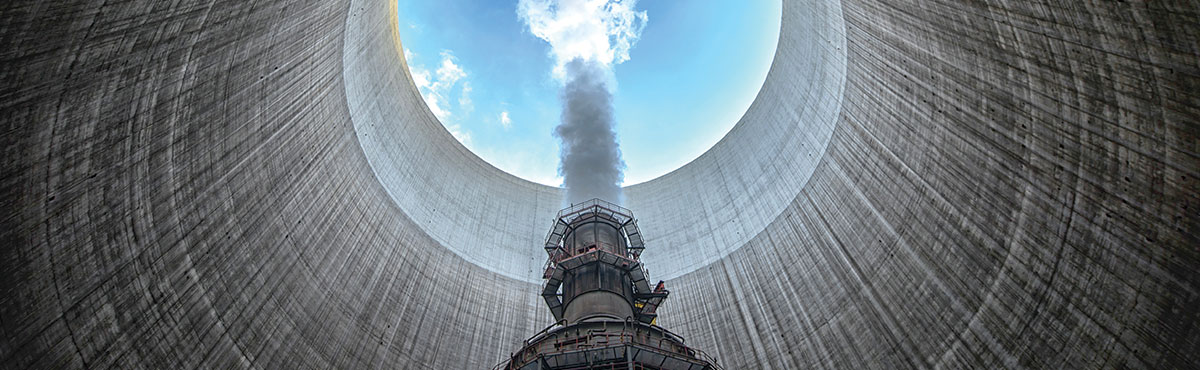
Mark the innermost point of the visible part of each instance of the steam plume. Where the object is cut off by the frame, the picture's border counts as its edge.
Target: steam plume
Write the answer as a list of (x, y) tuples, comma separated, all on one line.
[(587, 37), (590, 161)]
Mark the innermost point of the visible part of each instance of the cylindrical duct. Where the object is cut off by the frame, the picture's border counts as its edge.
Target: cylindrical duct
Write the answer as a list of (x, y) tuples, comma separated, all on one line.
[(596, 290)]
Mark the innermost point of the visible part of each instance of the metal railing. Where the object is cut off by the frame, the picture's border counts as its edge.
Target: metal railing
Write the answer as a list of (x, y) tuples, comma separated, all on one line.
[(608, 209), (630, 333), (623, 216)]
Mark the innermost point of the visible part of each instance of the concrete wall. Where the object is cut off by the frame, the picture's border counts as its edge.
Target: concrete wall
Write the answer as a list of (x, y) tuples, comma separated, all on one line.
[(920, 183), (1011, 184)]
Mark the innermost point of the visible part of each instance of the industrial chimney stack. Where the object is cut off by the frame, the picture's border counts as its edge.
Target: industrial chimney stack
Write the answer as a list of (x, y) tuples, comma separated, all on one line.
[(601, 299)]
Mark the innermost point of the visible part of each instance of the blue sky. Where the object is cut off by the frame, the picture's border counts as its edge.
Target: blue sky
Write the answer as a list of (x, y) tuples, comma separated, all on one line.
[(689, 78)]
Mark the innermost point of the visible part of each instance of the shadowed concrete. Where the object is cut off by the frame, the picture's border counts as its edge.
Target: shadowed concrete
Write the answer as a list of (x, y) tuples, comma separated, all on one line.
[(918, 184)]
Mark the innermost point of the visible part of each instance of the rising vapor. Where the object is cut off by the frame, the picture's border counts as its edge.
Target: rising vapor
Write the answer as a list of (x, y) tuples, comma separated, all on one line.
[(590, 161), (587, 37)]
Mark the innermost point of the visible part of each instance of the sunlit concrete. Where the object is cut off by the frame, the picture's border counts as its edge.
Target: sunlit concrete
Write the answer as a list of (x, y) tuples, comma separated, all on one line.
[(918, 184)]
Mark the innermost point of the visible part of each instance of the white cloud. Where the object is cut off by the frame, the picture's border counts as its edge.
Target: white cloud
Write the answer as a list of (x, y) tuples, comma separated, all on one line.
[(464, 100), (435, 105), (461, 134), (505, 120), (448, 73), (435, 86), (420, 77), (597, 30)]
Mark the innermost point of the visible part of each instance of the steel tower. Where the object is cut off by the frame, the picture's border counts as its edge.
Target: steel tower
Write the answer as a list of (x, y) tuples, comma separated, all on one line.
[(603, 304)]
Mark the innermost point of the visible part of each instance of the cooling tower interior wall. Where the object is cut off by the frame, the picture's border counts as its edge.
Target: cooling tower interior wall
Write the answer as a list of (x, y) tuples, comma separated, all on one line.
[(258, 184)]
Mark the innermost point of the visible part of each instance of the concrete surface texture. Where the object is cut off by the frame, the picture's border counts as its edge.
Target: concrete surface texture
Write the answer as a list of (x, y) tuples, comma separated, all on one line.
[(919, 184)]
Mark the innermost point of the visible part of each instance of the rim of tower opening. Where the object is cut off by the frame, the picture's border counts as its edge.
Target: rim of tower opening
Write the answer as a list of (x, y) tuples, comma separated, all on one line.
[(695, 214)]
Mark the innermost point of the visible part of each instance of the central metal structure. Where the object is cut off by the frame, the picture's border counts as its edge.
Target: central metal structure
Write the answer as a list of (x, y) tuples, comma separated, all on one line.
[(601, 298)]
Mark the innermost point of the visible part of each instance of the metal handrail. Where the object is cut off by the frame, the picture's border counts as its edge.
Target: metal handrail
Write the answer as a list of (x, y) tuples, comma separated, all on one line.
[(562, 322), (709, 359), (525, 345), (597, 203), (634, 241), (559, 258), (628, 335)]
